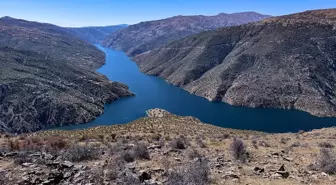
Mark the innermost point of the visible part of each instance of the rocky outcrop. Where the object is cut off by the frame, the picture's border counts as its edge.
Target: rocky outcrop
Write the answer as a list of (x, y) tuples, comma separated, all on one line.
[(146, 36), (283, 62), (47, 78), (95, 35)]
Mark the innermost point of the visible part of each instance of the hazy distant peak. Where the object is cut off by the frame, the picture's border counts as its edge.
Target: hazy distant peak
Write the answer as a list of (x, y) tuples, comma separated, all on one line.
[(95, 34), (6, 17), (145, 36)]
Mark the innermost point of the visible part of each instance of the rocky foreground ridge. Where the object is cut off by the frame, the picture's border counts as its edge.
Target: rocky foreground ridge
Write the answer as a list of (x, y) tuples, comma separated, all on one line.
[(149, 35), (47, 78), (284, 62), (170, 150)]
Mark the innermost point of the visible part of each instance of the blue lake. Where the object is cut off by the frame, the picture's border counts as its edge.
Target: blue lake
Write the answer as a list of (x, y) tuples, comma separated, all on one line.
[(153, 92)]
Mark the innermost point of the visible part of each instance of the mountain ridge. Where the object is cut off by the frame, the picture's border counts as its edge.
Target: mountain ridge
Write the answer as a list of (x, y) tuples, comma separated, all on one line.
[(271, 63), (47, 78), (91, 34), (145, 36)]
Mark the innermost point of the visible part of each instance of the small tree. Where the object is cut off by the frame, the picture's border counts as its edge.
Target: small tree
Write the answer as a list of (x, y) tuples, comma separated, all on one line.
[(193, 173), (128, 156), (178, 143), (78, 153), (238, 150), (141, 151), (327, 161)]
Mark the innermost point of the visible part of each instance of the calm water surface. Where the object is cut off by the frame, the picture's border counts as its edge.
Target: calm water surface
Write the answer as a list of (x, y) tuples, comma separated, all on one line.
[(153, 92)]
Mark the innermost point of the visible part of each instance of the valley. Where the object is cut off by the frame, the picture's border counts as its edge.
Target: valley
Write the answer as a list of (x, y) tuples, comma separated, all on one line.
[(95, 35), (234, 98), (153, 92)]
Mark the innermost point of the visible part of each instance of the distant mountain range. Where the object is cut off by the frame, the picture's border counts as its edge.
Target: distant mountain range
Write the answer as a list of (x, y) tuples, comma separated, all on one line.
[(47, 78), (95, 35), (147, 36), (282, 62)]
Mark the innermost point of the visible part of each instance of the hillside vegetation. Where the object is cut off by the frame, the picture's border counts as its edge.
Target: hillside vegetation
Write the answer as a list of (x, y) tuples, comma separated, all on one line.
[(171, 150), (283, 62)]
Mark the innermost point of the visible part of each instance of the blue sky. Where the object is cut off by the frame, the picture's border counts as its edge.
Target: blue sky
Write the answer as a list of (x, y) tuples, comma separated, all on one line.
[(77, 13)]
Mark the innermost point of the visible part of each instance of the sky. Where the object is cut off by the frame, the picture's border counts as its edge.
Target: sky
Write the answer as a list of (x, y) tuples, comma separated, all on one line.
[(77, 13)]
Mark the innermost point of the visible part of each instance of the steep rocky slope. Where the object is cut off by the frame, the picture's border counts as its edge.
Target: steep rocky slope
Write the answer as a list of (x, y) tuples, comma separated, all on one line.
[(146, 36), (282, 62), (95, 35), (47, 78), (170, 150)]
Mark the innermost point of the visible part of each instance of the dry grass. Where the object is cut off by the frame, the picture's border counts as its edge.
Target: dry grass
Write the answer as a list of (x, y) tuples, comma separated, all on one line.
[(201, 140)]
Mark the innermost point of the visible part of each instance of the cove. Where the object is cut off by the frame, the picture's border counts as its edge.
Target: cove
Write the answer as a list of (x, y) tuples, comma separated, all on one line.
[(153, 92)]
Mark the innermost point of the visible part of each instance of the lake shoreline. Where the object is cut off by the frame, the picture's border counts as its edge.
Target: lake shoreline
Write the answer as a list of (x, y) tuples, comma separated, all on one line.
[(154, 92)]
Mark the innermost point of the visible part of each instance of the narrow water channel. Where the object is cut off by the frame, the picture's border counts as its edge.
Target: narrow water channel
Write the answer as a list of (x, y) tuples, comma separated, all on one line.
[(153, 92)]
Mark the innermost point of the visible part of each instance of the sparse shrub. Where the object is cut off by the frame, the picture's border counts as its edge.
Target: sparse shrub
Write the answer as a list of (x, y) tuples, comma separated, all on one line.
[(3, 178), (128, 179), (194, 174), (22, 157), (6, 136), (301, 132), (295, 144), (128, 156), (264, 144), (3, 148), (200, 143), (178, 143), (284, 140), (162, 142), (101, 137), (166, 163), (254, 141), (138, 138), (198, 173), (327, 161), (238, 150), (124, 140), (115, 167), (141, 151), (13, 145), (167, 138), (56, 143), (35, 139), (32, 144), (194, 154), (326, 145), (254, 144), (223, 136), (176, 177), (305, 145), (156, 137), (97, 176), (78, 153), (113, 136), (83, 138), (114, 148), (226, 136), (112, 174)]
